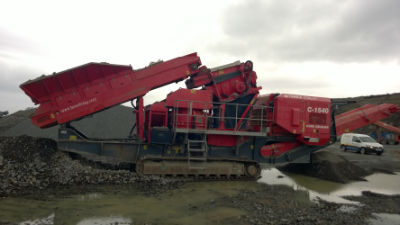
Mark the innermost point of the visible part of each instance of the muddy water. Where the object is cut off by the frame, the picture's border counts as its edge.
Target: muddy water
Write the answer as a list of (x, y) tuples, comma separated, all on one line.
[(191, 204), (331, 191)]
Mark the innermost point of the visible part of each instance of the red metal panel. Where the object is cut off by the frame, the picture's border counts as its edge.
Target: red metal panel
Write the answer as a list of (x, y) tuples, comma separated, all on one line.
[(84, 90), (227, 82), (277, 149), (196, 120), (189, 106), (222, 140), (296, 117), (182, 98), (362, 116), (307, 117)]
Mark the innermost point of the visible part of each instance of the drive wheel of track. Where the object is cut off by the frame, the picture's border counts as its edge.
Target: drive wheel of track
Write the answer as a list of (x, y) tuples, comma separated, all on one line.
[(253, 170)]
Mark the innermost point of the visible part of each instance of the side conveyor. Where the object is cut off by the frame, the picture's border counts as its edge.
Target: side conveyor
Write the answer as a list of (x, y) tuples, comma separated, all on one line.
[(359, 117)]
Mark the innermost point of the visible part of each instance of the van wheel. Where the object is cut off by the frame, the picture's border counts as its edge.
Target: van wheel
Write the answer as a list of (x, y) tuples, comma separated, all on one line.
[(344, 148), (362, 151), (379, 153)]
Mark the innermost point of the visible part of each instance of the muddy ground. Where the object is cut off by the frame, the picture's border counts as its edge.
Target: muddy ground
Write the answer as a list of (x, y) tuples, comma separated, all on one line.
[(33, 168)]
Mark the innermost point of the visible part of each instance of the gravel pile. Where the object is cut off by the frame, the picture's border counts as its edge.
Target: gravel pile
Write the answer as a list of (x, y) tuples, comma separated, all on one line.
[(329, 166), (30, 164), (10, 121), (282, 205), (114, 122)]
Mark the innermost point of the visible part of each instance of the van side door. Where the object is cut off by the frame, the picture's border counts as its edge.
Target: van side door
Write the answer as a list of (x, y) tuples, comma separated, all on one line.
[(356, 142)]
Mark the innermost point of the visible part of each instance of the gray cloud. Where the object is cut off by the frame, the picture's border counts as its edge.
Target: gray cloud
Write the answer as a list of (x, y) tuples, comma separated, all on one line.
[(12, 77), (315, 30), (293, 86), (13, 69), (12, 98), (287, 83), (13, 102)]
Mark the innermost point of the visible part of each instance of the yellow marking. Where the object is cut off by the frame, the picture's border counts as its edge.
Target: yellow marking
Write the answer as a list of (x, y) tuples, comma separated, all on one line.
[(176, 149), (52, 116), (193, 91), (314, 131), (187, 72), (144, 147), (347, 130), (72, 138), (221, 72), (135, 91), (251, 146), (304, 127), (169, 152), (294, 131)]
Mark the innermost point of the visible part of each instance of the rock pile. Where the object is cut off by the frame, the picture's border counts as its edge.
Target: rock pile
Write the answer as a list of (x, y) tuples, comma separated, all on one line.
[(270, 204), (30, 164), (115, 122)]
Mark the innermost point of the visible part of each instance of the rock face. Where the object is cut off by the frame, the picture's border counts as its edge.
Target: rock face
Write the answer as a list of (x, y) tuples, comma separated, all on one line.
[(328, 166), (30, 164)]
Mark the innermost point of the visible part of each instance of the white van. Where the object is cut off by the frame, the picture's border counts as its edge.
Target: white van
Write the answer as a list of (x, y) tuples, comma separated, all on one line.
[(361, 143)]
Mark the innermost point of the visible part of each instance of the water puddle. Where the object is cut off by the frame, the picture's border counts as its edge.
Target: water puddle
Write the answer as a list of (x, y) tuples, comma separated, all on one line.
[(194, 203), (332, 191), (385, 219), (90, 196), (49, 220), (105, 221), (347, 209)]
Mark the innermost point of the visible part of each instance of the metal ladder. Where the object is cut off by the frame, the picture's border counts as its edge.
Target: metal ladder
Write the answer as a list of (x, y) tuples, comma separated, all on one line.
[(197, 151)]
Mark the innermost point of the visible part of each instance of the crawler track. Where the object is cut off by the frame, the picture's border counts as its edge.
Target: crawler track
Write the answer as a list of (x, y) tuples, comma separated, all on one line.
[(179, 168), (208, 170)]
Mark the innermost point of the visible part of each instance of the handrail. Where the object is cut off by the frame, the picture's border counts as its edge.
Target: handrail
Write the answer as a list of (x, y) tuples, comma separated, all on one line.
[(184, 109)]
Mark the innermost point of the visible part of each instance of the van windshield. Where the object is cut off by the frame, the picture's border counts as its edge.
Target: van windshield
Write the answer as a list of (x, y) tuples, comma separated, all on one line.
[(367, 139)]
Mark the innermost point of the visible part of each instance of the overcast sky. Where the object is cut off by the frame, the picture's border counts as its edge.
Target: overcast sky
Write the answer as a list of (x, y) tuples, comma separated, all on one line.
[(329, 48)]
